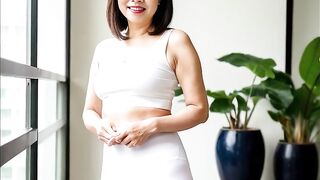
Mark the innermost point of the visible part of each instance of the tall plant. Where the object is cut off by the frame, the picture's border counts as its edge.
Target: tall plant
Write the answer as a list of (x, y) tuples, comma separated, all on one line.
[(239, 105), (299, 117)]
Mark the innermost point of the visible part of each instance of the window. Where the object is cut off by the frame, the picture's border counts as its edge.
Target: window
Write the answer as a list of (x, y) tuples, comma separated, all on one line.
[(13, 107), (15, 169), (34, 89), (14, 30), (52, 35)]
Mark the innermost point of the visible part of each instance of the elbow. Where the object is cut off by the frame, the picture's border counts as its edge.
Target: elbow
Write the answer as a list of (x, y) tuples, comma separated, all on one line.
[(205, 116), (85, 119), (203, 113)]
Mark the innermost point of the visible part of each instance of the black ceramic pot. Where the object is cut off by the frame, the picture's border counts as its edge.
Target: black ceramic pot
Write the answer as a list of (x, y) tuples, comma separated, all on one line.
[(240, 154), (296, 161)]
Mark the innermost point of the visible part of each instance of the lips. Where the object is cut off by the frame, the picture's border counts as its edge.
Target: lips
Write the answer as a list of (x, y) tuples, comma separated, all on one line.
[(136, 9)]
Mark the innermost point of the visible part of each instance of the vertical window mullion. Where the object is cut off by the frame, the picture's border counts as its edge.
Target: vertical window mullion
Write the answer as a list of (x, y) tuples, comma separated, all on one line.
[(67, 115), (34, 89)]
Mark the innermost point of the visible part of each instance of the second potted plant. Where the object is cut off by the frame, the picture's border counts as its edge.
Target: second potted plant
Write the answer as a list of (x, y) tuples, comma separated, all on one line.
[(240, 150), (296, 156)]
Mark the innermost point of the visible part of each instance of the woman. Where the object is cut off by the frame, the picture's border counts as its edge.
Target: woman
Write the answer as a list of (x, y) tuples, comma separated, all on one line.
[(131, 86)]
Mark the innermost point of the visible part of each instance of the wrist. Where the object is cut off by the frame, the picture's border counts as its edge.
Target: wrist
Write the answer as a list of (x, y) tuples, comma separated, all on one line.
[(154, 125), (97, 124)]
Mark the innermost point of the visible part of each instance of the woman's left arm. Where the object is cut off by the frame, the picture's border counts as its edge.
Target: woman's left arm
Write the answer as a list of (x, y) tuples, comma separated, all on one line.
[(189, 74)]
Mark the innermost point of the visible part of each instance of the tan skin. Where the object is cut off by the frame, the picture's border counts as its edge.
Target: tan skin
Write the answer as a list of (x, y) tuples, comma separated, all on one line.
[(144, 122)]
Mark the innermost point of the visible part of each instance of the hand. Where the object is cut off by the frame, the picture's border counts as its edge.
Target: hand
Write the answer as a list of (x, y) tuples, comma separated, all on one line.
[(106, 131), (136, 133)]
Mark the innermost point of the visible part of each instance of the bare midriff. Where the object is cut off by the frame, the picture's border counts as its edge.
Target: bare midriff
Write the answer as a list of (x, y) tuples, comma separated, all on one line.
[(135, 114)]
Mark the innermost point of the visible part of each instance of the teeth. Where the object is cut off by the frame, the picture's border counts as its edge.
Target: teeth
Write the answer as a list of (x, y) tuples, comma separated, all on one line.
[(136, 8)]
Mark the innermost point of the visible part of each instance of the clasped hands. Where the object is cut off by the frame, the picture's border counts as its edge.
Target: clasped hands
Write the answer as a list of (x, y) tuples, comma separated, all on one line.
[(131, 134)]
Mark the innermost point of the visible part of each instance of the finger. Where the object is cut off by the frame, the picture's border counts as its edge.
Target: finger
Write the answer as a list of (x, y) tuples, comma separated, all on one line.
[(110, 130), (102, 132), (120, 137), (132, 144), (126, 140), (112, 141), (103, 139)]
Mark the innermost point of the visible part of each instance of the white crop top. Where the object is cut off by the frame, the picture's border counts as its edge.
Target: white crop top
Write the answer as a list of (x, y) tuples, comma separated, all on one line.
[(133, 76)]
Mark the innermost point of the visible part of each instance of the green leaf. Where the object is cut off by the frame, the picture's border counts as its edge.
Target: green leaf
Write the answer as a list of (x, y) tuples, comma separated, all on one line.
[(257, 91), (259, 66), (217, 94), (256, 99), (242, 105), (299, 103), (283, 77), (279, 93), (310, 63), (221, 105), (276, 116), (178, 91), (314, 119)]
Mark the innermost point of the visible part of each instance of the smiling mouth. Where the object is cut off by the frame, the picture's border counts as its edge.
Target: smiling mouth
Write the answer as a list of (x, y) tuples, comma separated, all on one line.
[(136, 9)]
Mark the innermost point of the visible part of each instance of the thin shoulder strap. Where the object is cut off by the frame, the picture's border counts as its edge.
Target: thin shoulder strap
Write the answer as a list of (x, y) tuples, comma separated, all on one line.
[(164, 39)]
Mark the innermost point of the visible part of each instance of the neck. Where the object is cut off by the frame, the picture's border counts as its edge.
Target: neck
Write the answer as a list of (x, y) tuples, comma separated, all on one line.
[(138, 31)]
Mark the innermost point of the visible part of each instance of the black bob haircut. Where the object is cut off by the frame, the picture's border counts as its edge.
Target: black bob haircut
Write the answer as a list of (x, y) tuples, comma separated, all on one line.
[(160, 21)]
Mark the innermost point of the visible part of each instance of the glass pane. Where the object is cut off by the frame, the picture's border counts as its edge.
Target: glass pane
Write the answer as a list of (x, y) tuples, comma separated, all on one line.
[(61, 154), (52, 35), (14, 30), (15, 169), (47, 102), (47, 158), (13, 107)]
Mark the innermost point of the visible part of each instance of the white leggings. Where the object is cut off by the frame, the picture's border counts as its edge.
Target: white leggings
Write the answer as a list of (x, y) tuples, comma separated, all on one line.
[(162, 157)]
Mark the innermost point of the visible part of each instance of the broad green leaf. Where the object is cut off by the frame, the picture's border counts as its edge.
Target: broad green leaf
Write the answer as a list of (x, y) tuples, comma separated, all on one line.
[(178, 91), (283, 77), (314, 119), (317, 91), (279, 93), (299, 103), (256, 99), (217, 94), (259, 66), (310, 63), (242, 106), (257, 91), (221, 105), (276, 116)]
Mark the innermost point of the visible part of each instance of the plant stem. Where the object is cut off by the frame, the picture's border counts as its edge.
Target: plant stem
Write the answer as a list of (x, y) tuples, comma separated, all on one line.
[(229, 121), (246, 120), (236, 117)]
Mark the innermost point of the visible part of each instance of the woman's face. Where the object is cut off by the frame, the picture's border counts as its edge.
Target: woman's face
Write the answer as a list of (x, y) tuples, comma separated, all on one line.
[(138, 11)]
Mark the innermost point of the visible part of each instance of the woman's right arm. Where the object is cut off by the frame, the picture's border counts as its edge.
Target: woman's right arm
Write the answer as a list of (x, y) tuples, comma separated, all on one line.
[(92, 109)]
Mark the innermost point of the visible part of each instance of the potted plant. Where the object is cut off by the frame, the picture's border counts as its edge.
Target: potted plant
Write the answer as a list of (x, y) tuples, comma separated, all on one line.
[(296, 156), (240, 149)]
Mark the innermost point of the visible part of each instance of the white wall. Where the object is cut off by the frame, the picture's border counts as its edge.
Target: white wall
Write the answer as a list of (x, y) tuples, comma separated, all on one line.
[(88, 27), (216, 28)]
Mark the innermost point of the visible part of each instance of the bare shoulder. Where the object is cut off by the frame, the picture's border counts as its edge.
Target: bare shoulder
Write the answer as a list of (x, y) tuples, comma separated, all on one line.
[(180, 46), (107, 42), (179, 38)]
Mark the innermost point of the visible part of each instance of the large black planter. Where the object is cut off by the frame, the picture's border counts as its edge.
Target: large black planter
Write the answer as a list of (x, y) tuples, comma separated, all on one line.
[(296, 161), (240, 154)]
